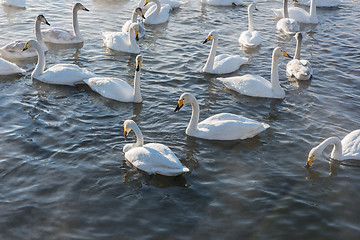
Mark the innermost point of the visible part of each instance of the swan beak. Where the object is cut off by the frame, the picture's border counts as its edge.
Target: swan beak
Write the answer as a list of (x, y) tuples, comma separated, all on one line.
[(126, 134), (138, 65), (137, 35), (207, 39), (85, 9), (286, 55), (295, 1), (309, 161), (46, 22), (142, 15), (146, 2), (179, 105), (256, 9), (25, 47)]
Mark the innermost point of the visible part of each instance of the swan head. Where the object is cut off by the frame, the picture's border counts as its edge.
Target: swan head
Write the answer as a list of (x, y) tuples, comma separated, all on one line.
[(149, 1), (213, 34), (252, 7), (184, 98), (30, 43), (79, 6), (139, 59), (314, 153), (139, 12), (278, 53), (136, 28), (128, 126), (298, 36), (41, 18)]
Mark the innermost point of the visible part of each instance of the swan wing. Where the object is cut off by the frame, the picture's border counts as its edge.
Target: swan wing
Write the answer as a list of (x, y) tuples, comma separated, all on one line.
[(351, 145), (250, 85), (60, 36), (227, 126), (65, 74), (299, 15), (300, 69), (15, 3), (163, 16), (250, 39), (321, 3), (119, 41), (8, 68), (126, 26), (225, 63), (287, 26), (113, 88)]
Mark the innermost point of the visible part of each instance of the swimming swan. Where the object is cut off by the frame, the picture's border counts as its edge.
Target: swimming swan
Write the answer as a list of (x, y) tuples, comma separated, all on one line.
[(62, 36), (173, 4), (250, 38), (300, 15), (123, 42), (223, 63), (126, 27), (300, 69), (8, 68), (348, 148), (63, 74), (223, 126), (287, 25), (14, 50), (156, 14), (320, 3), (15, 3), (222, 2), (257, 86), (117, 89), (153, 158)]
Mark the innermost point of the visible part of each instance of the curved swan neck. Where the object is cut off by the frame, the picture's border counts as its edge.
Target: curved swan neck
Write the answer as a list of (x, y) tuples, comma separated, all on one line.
[(211, 58), (134, 16), (137, 91), (285, 10), (275, 84), (40, 66), (38, 35), (313, 9), (139, 136), (194, 120), (76, 28), (132, 39), (158, 8), (337, 150), (250, 17), (298, 49)]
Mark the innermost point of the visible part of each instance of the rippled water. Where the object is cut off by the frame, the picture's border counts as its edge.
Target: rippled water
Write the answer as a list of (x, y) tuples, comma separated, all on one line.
[(62, 171)]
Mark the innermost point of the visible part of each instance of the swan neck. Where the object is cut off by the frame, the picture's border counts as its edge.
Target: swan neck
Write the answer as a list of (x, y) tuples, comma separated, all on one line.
[(76, 28), (211, 58), (298, 49), (132, 39), (337, 150), (137, 91), (250, 17), (285, 10), (134, 17), (194, 120), (275, 84), (40, 66), (139, 136), (158, 7), (313, 9), (38, 35)]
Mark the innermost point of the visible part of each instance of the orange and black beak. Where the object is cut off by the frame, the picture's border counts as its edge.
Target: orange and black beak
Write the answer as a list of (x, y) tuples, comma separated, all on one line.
[(25, 47), (207, 39), (179, 105), (309, 161), (286, 54)]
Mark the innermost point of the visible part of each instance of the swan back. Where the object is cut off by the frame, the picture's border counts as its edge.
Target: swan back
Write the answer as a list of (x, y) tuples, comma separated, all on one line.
[(351, 145)]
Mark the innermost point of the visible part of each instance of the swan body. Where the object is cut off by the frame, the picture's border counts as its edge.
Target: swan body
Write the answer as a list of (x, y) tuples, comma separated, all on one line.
[(62, 36), (223, 2), (223, 126), (299, 14), (347, 148), (8, 68), (123, 42), (300, 69), (63, 74), (14, 50), (250, 38), (320, 3), (126, 27), (223, 63), (257, 86), (287, 25), (14, 3), (153, 158), (172, 3), (156, 14), (118, 89)]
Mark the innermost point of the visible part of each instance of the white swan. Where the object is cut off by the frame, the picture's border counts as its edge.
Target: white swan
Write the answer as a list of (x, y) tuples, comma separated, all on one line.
[(300, 69), (250, 38), (126, 27), (62, 36), (156, 14), (257, 86), (320, 3), (8, 68), (173, 4), (348, 148), (14, 50), (15, 3), (300, 15), (223, 63), (153, 158), (223, 126), (63, 74), (287, 25), (123, 42), (117, 89), (223, 2)]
